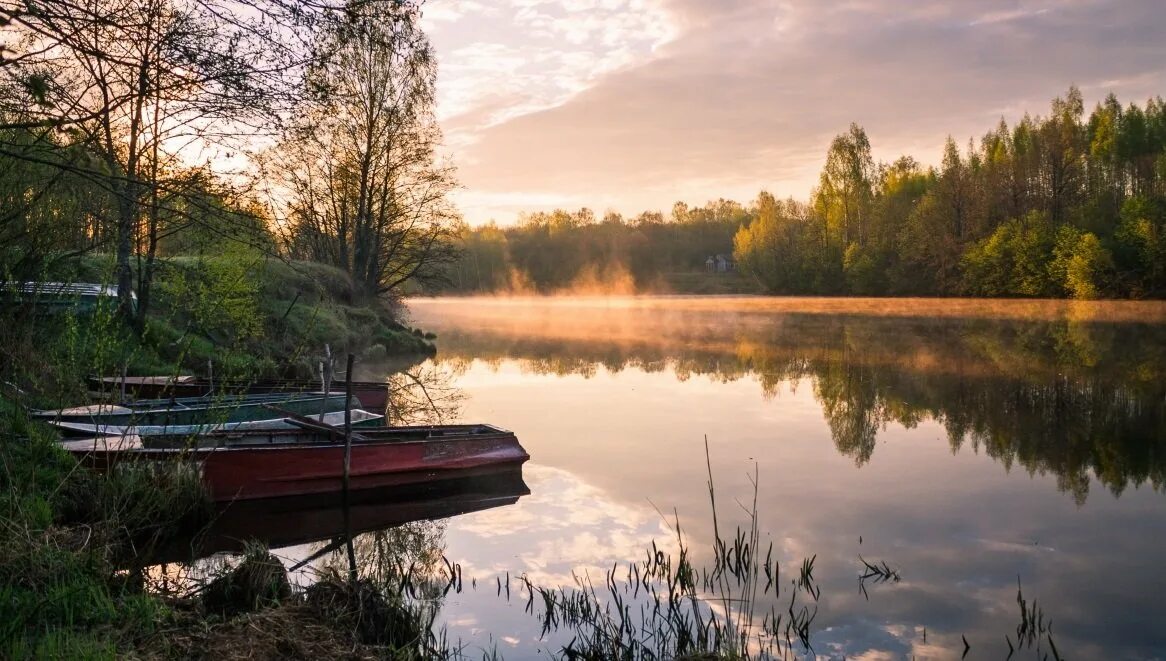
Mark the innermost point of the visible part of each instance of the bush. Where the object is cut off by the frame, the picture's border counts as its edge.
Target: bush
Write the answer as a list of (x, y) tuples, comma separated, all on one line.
[(1013, 261)]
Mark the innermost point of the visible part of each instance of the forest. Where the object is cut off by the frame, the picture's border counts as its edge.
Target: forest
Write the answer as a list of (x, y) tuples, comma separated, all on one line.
[(1057, 205)]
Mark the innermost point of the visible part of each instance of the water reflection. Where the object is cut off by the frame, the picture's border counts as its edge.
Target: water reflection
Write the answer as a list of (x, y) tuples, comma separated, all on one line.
[(289, 521), (943, 444), (1066, 394)]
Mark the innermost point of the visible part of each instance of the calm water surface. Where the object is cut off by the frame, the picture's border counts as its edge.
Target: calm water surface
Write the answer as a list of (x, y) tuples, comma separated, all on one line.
[(968, 445)]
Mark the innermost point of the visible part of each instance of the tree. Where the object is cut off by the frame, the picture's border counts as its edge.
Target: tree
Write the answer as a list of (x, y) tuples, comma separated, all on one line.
[(845, 189), (1062, 150), (1013, 261), (366, 191), (137, 84), (776, 247)]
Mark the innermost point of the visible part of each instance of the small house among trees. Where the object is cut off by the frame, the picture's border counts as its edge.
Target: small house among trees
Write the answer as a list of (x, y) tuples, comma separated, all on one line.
[(719, 263)]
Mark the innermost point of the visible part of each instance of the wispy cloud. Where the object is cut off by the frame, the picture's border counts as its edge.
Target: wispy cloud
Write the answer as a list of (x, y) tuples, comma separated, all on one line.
[(637, 103)]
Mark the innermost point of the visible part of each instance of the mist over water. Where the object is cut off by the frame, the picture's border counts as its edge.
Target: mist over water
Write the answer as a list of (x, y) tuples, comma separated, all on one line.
[(966, 443)]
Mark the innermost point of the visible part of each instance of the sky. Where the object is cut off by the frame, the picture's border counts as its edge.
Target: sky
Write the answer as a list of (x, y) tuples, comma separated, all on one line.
[(632, 105)]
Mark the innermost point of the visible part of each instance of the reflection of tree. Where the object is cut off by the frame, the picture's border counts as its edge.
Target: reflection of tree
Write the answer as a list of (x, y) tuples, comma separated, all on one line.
[(402, 561), (387, 556), (423, 395), (1069, 395), (852, 409)]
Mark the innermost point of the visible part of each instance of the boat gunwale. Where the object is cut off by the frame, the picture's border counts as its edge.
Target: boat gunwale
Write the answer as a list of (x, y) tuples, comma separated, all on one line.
[(272, 398), (494, 433)]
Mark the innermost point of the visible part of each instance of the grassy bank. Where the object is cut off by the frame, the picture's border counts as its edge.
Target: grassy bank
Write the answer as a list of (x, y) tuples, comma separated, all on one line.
[(709, 284), (234, 315), (69, 575), (72, 583), (262, 315)]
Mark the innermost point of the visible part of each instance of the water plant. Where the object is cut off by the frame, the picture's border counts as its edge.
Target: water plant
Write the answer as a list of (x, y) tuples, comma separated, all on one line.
[(664, 606)]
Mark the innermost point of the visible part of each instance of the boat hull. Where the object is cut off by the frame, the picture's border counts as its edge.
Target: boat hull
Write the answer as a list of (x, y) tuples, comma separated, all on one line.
[(384, 459), (180, 435)]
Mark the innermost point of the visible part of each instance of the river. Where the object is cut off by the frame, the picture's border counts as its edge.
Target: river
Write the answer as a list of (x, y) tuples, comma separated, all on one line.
[(973, 447)]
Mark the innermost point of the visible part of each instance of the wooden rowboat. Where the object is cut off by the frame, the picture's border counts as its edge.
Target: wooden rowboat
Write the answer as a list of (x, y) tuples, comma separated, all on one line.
[(198, 410), (239, 465), (374, 395), (359, 417)]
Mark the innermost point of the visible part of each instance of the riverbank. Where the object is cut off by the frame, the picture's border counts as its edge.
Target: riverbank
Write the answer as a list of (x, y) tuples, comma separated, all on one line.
[(238, 318), (73, 582)]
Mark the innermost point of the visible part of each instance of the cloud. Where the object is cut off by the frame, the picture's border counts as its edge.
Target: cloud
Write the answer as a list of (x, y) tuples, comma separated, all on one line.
[(636, 105)]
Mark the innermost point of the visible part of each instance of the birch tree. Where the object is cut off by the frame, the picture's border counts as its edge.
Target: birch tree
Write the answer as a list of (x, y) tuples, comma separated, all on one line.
[(365, 188)]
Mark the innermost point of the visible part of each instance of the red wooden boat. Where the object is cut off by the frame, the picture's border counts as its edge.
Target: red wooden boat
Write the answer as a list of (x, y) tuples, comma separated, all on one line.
[(374, 395), (266, 464)]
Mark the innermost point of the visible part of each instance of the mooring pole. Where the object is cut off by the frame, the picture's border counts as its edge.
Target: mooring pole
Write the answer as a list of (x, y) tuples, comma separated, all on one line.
[(348, 464), (325, 379), (348, 422)]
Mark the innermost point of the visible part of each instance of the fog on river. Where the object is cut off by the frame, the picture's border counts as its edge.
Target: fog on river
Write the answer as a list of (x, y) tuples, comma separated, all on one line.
[(967, 443)]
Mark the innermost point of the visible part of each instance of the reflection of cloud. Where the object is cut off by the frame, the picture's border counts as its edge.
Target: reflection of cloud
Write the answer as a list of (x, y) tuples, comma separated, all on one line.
[(569, 527), (958, 525)]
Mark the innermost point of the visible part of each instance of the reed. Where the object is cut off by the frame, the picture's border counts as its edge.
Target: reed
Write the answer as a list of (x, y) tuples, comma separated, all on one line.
[(665, 607)]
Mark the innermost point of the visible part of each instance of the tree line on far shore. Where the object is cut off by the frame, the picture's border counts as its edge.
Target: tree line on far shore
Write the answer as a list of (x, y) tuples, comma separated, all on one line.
[(1060, 205)]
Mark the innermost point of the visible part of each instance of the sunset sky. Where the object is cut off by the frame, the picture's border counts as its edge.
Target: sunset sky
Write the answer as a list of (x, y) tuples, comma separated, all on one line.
[(635, 104)]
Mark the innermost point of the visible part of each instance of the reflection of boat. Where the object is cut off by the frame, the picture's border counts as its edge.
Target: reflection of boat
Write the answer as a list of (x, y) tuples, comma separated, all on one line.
[(292, 520), (374, 395), (197, 410), (181, 434), (271, 463)]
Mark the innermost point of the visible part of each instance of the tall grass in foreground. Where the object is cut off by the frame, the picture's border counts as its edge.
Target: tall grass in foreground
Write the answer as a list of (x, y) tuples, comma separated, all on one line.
[(660, 607), (70, 541), (664, 607)]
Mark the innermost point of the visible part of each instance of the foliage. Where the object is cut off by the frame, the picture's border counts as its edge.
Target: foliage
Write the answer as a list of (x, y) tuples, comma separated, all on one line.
[(1058, 205), (367, 189), (575, 251), (773, 247), (218, 296), (1011, 262), (70, 543)]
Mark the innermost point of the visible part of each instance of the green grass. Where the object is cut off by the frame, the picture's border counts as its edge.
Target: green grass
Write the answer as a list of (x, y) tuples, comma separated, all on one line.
[(71, 542)]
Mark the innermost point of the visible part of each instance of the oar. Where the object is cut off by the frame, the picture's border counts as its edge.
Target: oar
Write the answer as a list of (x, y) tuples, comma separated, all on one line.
[(310, 424)]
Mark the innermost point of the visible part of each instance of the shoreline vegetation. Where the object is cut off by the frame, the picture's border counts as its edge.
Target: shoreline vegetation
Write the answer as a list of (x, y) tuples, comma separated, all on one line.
[(78, 583), (74, 555)]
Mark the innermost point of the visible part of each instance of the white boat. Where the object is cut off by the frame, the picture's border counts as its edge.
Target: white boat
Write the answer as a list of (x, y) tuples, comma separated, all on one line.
[(360, 418)]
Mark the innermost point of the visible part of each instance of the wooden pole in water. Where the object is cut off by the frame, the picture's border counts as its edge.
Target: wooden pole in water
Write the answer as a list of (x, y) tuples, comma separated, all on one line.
[(348, 421), (325, 379), (348, 464)]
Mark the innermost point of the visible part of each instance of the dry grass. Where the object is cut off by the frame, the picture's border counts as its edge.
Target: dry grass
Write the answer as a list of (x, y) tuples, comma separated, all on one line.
[(289, 631)]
